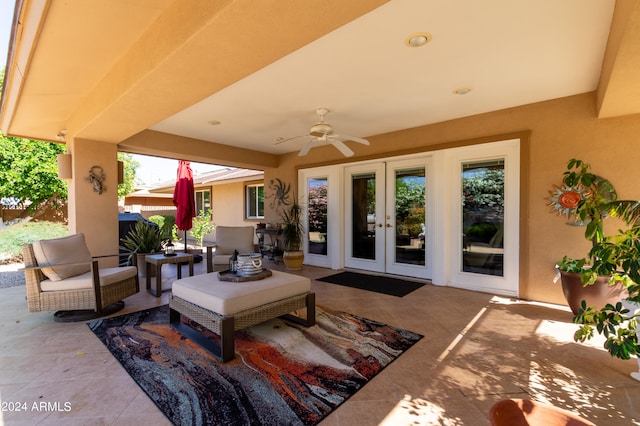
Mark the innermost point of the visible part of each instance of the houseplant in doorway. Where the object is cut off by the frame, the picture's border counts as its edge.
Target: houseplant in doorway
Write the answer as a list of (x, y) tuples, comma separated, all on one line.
[(292, 230), (590, 199)]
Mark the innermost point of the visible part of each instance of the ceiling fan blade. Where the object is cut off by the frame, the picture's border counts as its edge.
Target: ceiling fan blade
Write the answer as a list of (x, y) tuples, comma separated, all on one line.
[(351, 138), (279, 141), (345, 150), (305, 149)]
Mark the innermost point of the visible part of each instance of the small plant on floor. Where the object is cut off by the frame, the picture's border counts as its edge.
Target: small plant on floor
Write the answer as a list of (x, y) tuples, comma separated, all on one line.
[(292, 227), (143, 237), (202, 225)]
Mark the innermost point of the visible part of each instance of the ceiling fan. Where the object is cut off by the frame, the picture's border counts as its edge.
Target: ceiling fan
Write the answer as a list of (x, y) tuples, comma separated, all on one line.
[(322, 134)]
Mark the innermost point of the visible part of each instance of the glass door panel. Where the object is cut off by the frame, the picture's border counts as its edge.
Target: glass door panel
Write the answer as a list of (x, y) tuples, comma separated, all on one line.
[(317, 218), (410, 202), (364, 217), (363, 189), (407, 230), (483, 217)]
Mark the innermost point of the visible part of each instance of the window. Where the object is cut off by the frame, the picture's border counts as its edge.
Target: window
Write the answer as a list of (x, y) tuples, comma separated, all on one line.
[(203, 201), (255, 201)]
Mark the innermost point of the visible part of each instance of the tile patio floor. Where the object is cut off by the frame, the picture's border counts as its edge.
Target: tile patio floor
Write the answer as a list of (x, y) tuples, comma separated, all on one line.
[(477, 350)]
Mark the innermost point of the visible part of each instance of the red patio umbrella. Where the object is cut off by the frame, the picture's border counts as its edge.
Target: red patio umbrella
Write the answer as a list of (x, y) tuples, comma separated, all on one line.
[(184, 199)]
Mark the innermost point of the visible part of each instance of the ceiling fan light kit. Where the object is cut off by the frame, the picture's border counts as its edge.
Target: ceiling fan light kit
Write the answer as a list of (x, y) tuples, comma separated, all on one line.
[(322, 134)]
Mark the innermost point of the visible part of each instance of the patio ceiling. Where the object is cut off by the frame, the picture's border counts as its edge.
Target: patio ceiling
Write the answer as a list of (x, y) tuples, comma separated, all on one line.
[(131, 72)]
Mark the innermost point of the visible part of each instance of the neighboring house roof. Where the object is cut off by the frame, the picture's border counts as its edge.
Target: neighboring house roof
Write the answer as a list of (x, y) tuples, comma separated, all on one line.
[(161, 193), (211, 178)]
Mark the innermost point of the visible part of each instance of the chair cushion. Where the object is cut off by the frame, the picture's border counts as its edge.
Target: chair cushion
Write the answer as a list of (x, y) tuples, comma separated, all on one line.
[(71, 249), (230, 238), (108, 276)]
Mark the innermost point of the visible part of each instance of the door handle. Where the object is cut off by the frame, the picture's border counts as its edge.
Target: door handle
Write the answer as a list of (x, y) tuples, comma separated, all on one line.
[(379, 225), (388, 225)]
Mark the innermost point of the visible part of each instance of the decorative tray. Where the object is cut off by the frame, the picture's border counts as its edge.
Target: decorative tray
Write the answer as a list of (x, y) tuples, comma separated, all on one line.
[(232, 276)]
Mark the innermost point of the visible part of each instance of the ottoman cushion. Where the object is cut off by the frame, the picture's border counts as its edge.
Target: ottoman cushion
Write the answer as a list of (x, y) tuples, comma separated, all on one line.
[(228, 298)]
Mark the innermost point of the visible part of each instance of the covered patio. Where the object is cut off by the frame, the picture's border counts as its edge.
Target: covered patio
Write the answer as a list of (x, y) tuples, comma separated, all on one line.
[(478, 349), (222, 83), (432, 85)]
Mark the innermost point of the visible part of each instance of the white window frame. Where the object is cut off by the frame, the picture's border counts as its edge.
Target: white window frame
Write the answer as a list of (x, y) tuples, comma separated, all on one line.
[(198, 193), (248, 201)]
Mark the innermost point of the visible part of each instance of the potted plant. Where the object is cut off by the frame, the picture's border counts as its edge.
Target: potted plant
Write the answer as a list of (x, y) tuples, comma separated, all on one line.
[(292, 231), (617, 256), (591, 199), (143, 238)]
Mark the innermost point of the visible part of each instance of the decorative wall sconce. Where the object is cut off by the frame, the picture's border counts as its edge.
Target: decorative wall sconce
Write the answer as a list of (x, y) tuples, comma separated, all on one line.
[(120, 172), (64, 166), (96, 178)]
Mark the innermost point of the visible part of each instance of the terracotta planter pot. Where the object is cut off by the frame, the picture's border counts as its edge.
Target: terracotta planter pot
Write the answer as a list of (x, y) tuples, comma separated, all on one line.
[(293, 259), (598, 294), (516, 412)]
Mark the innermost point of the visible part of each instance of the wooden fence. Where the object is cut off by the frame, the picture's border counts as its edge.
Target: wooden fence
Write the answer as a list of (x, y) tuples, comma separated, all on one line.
[(50, 215)]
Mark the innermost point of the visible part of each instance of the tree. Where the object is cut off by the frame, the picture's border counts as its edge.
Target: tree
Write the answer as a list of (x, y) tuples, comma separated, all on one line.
[(130, 167), (29, 174)]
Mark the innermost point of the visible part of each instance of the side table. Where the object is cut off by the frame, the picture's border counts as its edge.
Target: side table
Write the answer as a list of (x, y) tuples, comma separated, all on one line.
[(160, 259), (272, 247)]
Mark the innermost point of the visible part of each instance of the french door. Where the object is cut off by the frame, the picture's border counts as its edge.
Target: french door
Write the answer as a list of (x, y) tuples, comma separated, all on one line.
[(387, 217), (451, 216)]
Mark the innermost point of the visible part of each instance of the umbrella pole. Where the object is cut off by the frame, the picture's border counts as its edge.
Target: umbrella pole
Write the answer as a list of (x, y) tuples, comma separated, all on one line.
[(185, 241)]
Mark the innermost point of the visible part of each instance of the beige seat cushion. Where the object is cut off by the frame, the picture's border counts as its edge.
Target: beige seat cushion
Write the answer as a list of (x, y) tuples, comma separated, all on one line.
[(108, 276), (71, 249), (229, 298), (230, 238)]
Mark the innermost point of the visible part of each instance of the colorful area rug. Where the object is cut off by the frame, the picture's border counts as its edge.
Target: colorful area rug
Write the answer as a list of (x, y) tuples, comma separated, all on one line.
[(283, 373), (376, 283)]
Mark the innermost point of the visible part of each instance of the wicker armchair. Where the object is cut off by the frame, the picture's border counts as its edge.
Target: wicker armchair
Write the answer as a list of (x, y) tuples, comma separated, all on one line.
[(228, 239), (62, 276)]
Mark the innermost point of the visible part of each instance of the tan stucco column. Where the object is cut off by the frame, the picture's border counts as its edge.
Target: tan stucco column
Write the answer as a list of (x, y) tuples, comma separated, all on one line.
[(92, 213)]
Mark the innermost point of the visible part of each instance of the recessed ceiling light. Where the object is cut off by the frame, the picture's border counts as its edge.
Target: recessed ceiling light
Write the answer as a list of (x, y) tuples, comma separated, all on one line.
[(213, 122), (418, 39), (462, 90)]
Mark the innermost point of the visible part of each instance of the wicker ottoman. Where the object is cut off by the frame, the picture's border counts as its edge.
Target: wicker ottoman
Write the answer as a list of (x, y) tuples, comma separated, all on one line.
[(224, 307)]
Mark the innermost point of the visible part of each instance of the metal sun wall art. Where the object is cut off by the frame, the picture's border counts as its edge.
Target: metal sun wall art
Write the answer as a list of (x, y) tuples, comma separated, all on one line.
[(96, 178), (279, 193)]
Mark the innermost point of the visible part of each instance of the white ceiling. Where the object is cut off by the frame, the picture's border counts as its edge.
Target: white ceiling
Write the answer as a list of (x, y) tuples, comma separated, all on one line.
[(510, 52)]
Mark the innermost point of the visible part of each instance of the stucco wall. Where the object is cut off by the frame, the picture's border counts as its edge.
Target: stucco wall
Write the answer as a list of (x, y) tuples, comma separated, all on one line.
[(228, 207), (559, 130)]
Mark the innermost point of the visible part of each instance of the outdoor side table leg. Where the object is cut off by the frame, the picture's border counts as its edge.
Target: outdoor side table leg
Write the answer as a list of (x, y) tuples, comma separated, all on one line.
[(179, 266), (191, 267), (158, 279), (148, 267)]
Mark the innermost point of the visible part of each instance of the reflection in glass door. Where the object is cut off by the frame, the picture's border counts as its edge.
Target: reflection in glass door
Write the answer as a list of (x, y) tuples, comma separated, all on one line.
[(407, 233), (410, 201), (317, 217), (483, 217), (363, 215)]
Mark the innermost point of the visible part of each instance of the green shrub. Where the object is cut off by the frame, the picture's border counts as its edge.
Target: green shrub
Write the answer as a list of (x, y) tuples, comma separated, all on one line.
[(482, 232), (165, 223), (201, 226)]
